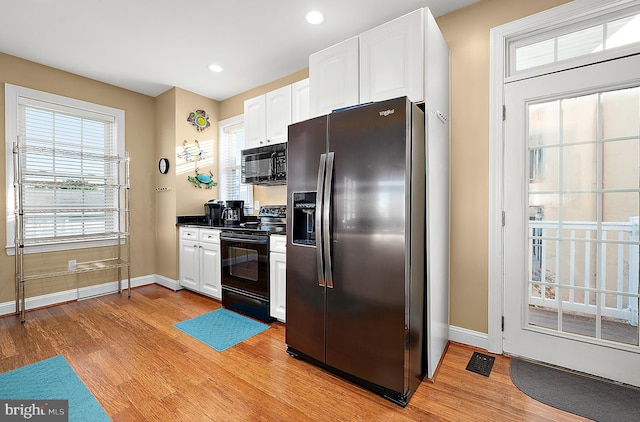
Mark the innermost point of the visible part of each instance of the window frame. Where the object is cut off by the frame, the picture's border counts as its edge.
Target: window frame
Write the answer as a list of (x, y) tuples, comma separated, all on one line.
[(222, 125), (14, 97), (606, 12)]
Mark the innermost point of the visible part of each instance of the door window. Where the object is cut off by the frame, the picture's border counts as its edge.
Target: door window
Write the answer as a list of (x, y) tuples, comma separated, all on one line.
[(584, 207)]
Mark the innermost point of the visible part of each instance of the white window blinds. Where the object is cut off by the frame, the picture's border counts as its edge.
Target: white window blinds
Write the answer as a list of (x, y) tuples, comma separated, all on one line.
[(230, 147), (70, 190)]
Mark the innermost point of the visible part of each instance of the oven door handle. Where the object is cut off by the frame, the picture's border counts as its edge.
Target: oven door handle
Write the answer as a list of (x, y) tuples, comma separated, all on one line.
[(245, 240)]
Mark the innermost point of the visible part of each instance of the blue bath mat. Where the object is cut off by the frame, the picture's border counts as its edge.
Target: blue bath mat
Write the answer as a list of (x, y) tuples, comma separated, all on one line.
[(52, 379), (221, 328)]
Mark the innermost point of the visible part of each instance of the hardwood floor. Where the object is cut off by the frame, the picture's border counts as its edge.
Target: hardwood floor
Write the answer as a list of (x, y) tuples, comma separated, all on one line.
[(140, 368)]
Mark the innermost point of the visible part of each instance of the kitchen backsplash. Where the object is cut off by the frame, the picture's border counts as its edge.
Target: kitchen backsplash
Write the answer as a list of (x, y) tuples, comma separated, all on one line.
[(270, 195)]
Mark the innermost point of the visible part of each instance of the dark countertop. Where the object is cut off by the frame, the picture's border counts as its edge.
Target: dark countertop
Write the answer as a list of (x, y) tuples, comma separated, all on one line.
[(191, 220), (201, 221)]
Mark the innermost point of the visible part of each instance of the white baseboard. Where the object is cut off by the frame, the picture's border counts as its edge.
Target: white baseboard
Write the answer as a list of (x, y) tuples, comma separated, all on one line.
[(457, 334), (167, 282), (87, 292), (469, 337)]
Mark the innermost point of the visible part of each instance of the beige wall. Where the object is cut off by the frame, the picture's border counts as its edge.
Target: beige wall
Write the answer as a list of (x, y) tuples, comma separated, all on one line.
[(190, 199), (234, 106), (271, 195), (153, 213), (165, 201), (182, 197), (467, 33), (140, 142)]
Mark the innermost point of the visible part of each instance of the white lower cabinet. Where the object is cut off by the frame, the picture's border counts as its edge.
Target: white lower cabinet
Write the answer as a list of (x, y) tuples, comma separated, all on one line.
[(278, 277), (200, 268)]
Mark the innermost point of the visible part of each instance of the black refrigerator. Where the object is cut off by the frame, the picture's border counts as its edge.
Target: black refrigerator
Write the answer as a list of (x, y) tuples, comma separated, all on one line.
[(356, 245)]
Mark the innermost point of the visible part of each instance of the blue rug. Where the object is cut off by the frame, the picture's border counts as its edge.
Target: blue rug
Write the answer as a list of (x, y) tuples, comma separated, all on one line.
[(52, 379), (221, 328)]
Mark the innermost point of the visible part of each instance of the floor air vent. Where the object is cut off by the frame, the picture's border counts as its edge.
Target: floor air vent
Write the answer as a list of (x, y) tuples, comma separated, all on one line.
[(481, 364)]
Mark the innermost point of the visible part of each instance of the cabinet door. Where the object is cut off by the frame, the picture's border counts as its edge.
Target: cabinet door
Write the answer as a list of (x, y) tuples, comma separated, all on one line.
[(189, 264), (392, 59), (210, 270), (278, 286), (300, 101), (278, 104), (255, 122), (333, 77)]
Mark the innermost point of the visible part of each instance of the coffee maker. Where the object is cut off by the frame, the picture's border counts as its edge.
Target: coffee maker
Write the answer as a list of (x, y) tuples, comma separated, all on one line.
[(213, 210), (233, 213)]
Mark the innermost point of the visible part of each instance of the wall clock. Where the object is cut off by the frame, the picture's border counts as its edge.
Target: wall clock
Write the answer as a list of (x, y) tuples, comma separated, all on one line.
[(163, 165)]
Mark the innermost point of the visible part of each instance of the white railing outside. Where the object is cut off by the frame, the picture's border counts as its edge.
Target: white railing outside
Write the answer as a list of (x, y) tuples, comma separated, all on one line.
[(620, 282)]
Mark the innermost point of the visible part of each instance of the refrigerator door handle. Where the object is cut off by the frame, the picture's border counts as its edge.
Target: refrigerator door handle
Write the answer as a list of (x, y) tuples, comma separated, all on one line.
[(326, 214), (319, 192)]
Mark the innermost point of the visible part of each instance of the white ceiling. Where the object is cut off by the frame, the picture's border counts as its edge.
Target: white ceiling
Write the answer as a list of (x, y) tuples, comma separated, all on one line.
[(149, 46)]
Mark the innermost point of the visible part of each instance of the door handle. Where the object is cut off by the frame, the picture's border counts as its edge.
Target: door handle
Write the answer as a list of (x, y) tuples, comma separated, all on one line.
[(319, 229), (326, 213)]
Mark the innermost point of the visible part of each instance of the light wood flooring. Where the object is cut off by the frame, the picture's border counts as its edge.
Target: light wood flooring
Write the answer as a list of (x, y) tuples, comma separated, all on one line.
[(140, 368)]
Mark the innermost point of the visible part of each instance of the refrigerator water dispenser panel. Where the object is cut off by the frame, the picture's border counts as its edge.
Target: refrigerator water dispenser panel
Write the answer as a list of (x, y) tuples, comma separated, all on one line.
[(304, 218)]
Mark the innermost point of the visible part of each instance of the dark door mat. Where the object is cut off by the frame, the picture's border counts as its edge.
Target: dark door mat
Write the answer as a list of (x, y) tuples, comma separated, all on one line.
[(481, 364), (576, 393)]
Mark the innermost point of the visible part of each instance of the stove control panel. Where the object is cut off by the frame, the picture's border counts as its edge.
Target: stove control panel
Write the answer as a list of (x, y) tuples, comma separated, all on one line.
[(278, 211)]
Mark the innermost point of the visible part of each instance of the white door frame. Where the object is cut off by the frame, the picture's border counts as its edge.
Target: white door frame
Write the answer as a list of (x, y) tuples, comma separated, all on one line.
[(564, 14)]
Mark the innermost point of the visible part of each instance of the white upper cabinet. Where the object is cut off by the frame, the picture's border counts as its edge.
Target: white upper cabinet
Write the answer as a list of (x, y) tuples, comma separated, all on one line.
[(278, 114), (267, 118), (255, 122), (300, 101), (392, 59), (385, 62), (333, 77)]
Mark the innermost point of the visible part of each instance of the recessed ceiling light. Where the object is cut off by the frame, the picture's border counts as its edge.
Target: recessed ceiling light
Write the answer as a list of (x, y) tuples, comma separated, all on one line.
[(314, 17), (215, 68)]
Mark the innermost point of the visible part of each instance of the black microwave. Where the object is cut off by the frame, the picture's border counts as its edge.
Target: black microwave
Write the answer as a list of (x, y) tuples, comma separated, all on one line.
[(265, 165)]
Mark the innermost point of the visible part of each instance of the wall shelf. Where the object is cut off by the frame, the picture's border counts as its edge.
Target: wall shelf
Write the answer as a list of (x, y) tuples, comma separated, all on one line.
[(74, 188)]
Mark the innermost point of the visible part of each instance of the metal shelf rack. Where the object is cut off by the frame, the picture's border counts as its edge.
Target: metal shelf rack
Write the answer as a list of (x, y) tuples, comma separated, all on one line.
[(61, 182)]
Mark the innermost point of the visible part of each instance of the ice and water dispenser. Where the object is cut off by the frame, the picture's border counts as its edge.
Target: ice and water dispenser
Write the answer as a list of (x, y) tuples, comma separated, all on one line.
[(304, 218)]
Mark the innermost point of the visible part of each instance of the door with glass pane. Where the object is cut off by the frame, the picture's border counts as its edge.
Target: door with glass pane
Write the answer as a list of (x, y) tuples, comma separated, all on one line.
[(572, 201)]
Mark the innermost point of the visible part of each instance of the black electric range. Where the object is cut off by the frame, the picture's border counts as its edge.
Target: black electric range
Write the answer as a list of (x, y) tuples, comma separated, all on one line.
[(244, 251), (272, 219)]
